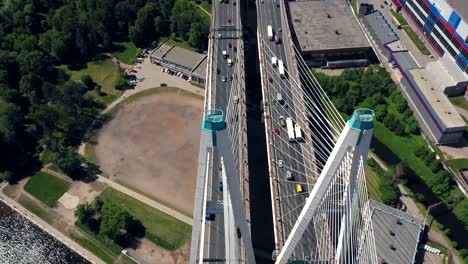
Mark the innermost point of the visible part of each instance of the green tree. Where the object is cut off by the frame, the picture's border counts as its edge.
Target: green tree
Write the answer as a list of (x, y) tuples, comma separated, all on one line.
[(115, 221), (143, 32), (88, 81), (69, 161)]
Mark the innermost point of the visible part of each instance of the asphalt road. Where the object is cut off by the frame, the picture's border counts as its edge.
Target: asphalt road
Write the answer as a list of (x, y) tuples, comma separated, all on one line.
[(224, 36), (291, 153)]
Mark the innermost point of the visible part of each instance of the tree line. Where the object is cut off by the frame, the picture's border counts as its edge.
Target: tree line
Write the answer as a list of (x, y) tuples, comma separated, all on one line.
[(371, 88), (40, 107)]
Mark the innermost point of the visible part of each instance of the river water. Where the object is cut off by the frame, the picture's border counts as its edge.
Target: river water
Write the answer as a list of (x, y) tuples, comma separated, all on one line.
[(22, 242)]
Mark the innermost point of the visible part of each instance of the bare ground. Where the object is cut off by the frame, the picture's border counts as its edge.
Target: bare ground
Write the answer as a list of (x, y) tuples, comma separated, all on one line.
[(152, 144)]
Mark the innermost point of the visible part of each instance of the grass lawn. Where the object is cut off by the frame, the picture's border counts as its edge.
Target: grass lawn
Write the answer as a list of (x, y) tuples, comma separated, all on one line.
[(459, 101), (47, 188), (179, 42), (373, 183), (30, 206), (103, 72), (129, 53), (89, 153), (416, 40), (162, 229), (400, 18), (94, 247)]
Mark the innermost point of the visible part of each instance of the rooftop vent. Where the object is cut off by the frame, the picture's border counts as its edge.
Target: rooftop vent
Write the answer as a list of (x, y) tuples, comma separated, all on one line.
[(392, 247), (399, 222), (337, 32), (306, 32), (438, 100), (329, 16), (392, 233), (448, 113)]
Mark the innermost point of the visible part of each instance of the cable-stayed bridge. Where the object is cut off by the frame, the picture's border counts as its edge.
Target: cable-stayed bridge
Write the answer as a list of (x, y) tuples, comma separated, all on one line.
[(318, 192)]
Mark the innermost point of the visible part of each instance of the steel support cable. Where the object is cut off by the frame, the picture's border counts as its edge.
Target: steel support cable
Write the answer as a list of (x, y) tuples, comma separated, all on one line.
[(309, 105), (328, 145), (318, 151), (279, 126), (312, 107), (317, 85), (269, 51)]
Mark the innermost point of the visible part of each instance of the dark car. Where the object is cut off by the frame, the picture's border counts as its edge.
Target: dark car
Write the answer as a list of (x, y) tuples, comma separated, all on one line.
[(210, 217)]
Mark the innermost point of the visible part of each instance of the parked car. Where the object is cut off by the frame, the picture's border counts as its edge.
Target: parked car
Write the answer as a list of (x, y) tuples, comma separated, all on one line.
[(277, 131), (289, 176), (282, 121), (210, 217)]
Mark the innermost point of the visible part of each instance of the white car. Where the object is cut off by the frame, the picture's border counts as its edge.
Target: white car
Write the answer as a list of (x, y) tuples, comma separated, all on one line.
[(280, 163), (224, 79)]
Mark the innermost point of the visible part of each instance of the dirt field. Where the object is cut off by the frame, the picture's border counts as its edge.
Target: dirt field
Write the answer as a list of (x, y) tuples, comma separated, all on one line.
[(152, 144)]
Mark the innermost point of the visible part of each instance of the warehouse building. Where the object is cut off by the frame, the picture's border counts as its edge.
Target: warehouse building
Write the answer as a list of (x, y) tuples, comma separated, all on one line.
[(328, 34), (382, 35), (438, 114), (189, 63), (447, 77)]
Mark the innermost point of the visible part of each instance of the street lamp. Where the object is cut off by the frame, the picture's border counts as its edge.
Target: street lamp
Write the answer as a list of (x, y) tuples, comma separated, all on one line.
[(429, 209)]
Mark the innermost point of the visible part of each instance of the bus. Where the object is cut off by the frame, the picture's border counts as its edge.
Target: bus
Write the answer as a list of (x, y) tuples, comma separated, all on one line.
[(290, 127), (297, 129), (281, 69), (270, 32)]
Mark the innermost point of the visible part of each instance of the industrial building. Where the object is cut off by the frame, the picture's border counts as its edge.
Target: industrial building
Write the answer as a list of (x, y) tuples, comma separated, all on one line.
[(444, 123), (424, 88), (191, 64), (399, 234), (328, 34), (444, 24)]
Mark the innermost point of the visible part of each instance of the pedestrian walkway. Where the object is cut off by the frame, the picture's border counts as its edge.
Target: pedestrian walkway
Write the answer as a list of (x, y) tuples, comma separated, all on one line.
[(146, 200), (49, 229)]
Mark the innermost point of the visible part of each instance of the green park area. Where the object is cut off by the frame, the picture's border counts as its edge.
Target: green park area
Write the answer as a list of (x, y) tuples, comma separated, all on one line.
[(397, 140), (104, 73), (162, 229), (127, 52), (47, 188), (114, 220)]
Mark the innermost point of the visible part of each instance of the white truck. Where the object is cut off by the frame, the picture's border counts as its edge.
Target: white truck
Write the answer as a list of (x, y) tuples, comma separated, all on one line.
[(225, 55), (298, 131), (281, 69), (274, 61), (229, 62), (290, 127), (270, 32)]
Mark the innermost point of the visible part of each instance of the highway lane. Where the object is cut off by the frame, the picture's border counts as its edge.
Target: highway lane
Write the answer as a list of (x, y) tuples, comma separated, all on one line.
[(291, 153), (223, 38)]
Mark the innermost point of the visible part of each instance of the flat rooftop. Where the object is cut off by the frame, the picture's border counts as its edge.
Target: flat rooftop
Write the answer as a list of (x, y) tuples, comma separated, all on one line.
[(439, 103), (396, 234), (380, 27), (397, 46), (326, 25), (179, 56), (201, 68), (461, 7)]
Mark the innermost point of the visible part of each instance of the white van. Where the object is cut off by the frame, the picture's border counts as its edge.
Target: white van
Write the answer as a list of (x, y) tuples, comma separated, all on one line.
[(274, 62)]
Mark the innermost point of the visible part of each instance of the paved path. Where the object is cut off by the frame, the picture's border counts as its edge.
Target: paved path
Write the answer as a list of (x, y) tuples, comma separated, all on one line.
[(146, 200), (204, 10), (50, 229)]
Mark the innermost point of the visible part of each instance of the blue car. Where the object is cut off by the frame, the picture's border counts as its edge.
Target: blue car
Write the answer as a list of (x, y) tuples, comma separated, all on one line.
[(220, 186), (210, 217)]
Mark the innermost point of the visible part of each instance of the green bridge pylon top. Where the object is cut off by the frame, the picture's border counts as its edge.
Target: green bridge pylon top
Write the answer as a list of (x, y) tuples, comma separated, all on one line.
[(214, 120), (362, 119)]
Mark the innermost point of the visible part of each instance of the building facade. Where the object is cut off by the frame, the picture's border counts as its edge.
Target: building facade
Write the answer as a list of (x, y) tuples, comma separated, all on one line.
[(444, 23)]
